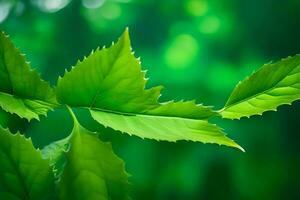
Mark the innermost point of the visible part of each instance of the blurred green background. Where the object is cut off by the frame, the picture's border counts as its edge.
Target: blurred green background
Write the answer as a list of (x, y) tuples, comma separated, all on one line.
[(197, 49)]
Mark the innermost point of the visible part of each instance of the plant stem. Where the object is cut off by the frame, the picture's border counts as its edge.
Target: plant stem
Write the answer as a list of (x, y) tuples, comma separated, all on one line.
[(72, 114)]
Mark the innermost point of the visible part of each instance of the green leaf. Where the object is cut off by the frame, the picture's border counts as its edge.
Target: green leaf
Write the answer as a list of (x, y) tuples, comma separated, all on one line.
[(21, 89), (273, 85), (165, 128), (111, 80), (23, 172), (110, 83), (92, 169)]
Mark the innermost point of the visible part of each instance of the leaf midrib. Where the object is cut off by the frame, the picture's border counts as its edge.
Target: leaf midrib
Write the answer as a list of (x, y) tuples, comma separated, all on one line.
[(145, 114), (110, 69)]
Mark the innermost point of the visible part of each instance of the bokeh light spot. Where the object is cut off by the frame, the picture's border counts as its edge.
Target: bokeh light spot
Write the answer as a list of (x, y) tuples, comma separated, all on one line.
[(92, 4), (5, 7), (111, 11), (197, 7), (210, 25), (123, 1), (50, 5), (182, 51)]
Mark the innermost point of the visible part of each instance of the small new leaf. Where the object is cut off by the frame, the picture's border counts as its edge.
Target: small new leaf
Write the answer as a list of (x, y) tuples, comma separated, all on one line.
[(21, 89), (273, 85), (92, 170), (23, 172), (111, 84)]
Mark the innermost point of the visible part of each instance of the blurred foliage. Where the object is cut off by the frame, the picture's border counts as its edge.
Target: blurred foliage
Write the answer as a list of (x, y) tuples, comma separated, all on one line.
[(196, 48)]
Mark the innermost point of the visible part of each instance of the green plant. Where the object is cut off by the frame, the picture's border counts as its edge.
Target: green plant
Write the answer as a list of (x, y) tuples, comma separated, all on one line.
[(111, 85)]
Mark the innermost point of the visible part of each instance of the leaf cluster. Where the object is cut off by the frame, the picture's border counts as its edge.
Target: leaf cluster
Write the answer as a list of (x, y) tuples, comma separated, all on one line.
[(111, 84)]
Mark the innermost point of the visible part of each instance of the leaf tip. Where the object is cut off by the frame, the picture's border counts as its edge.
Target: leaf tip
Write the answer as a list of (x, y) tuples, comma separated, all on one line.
[(126, 30), (240, 148), (125, 38)]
